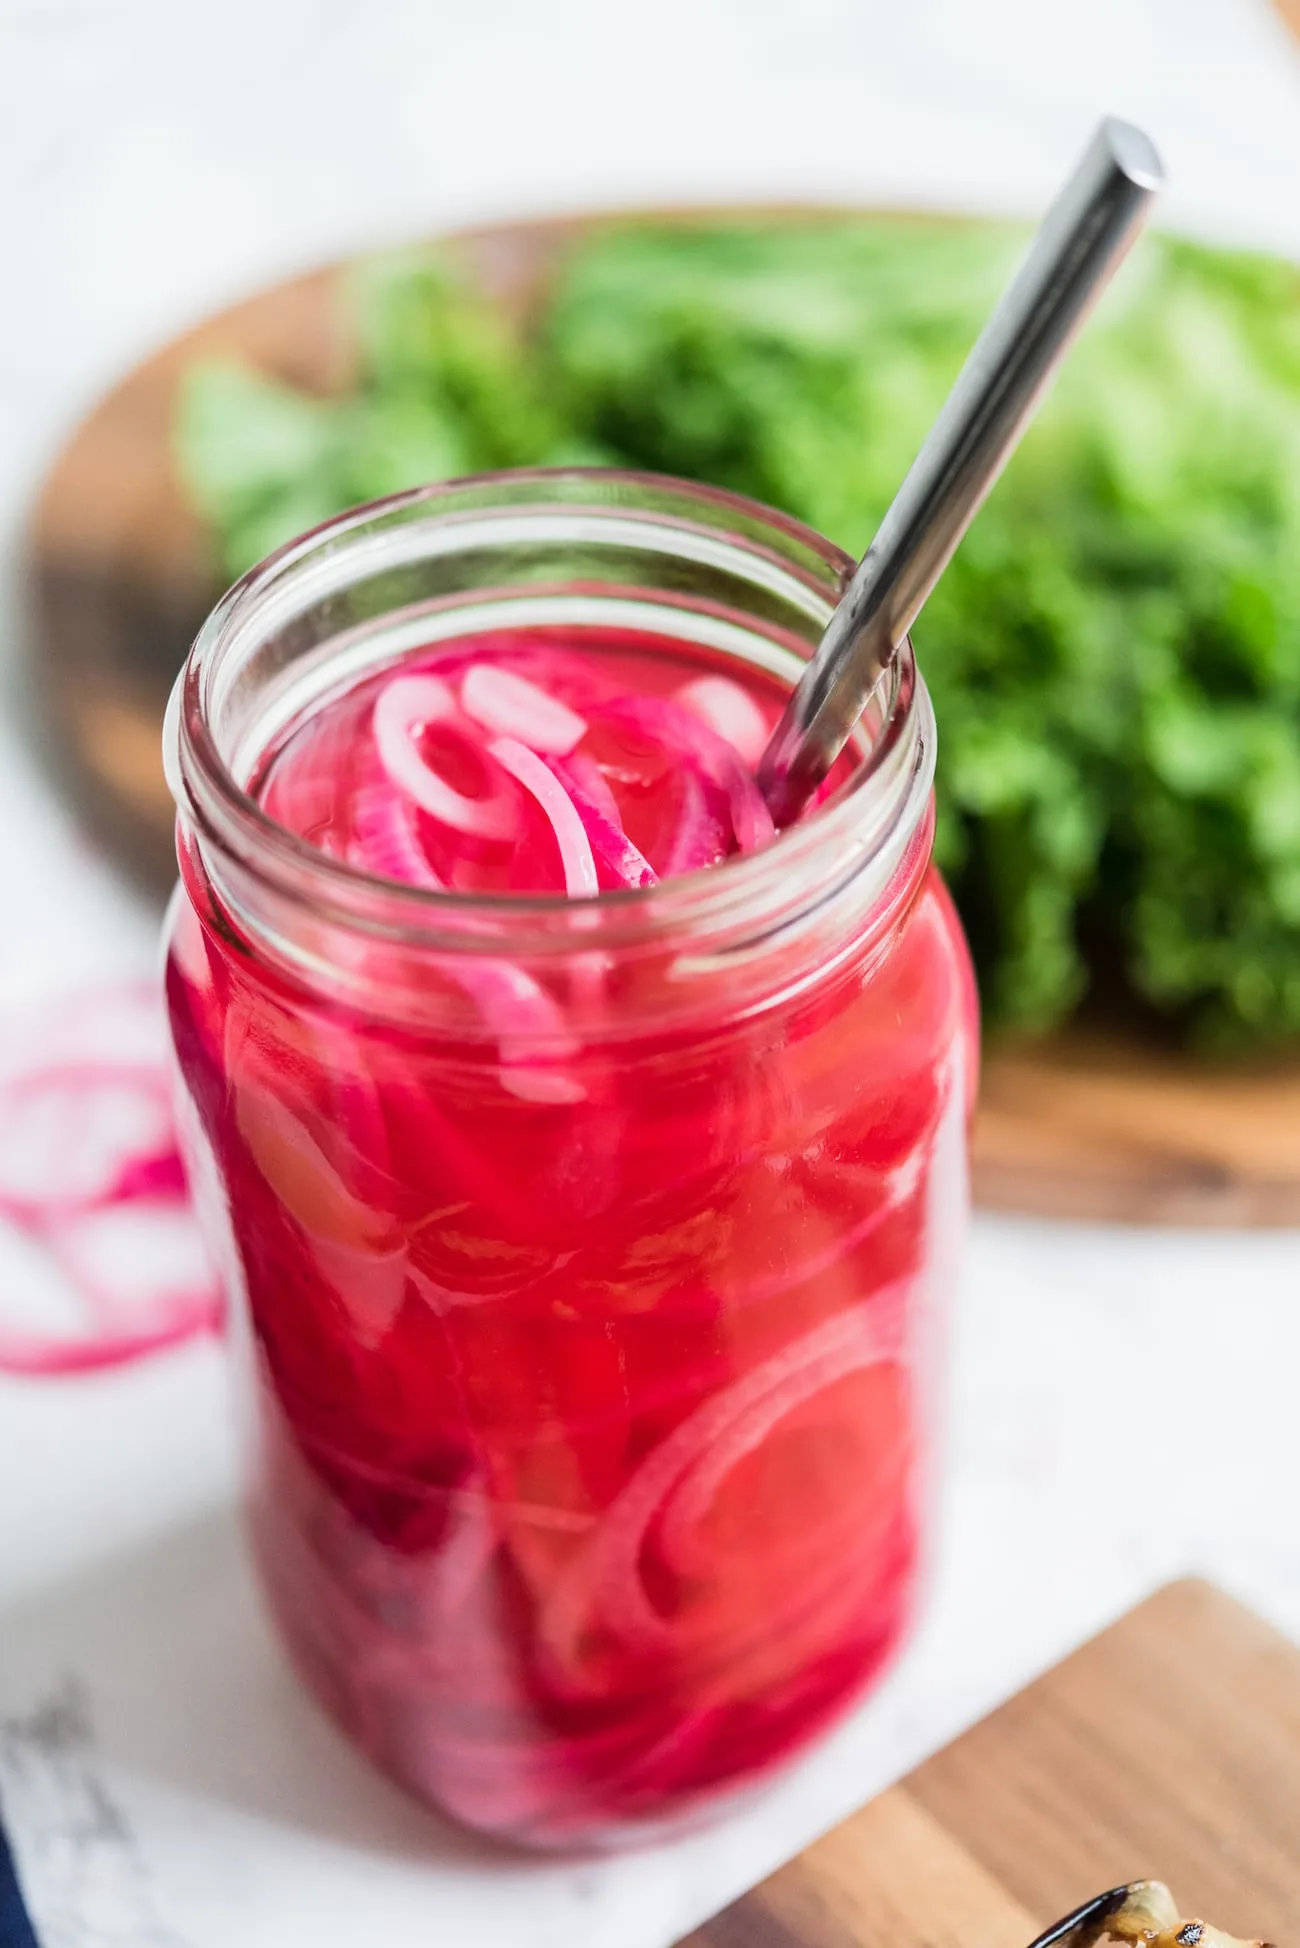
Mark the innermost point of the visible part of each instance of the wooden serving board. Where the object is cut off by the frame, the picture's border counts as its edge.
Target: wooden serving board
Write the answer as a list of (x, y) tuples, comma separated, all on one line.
[(1167, 1749), (121, 576)]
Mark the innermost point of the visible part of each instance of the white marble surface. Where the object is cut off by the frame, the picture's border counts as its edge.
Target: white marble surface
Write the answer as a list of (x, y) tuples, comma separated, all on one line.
[(1123, 1401)]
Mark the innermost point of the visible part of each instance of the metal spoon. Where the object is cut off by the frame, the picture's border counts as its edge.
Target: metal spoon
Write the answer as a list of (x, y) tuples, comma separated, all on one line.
[(1083, 238)]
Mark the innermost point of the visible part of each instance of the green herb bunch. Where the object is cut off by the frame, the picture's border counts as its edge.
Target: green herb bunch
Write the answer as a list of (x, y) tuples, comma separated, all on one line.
[(1114, 652)]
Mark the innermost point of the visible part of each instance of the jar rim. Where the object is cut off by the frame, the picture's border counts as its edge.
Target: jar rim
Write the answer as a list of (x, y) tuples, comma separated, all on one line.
[(882, 801)]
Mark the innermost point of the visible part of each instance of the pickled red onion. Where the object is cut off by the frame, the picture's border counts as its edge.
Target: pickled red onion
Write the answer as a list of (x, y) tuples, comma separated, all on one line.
[(385, 840), (305, 1180), (597, 807), (582, 771), (603, 1579), (519, 1556), (680, 731), (77, 1135), (700, 839), (660, 784), (90, 1175), (536, 776), (534, 1085), (510, 706), (730, 711), (529, 1022), (404, 707), (112, 1337), (684, 1516)]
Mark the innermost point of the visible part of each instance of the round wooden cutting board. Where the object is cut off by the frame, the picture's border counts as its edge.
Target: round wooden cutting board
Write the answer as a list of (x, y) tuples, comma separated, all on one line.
[(121, 576)]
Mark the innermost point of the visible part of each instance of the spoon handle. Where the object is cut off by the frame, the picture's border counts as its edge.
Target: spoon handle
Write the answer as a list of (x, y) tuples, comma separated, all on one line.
[(1083, 238)]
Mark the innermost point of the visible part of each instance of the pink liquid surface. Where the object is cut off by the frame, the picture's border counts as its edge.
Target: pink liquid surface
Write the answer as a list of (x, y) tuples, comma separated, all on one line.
[(592, 1372)]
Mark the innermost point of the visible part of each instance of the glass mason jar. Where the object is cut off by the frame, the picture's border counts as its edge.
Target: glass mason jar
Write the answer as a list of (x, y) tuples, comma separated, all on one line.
[(590, 1383)]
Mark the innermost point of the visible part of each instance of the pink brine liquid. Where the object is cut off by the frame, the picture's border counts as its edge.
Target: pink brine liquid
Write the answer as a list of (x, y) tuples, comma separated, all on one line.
[(591, 1344)]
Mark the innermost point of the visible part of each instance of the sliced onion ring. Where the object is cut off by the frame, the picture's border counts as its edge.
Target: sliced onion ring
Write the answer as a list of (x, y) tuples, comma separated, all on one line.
[(403, 708), (77, 1135), (90, 1174), (596, 806), (385, 839), (603, 1578), (536, 776), (532, 1031), (511, 706)]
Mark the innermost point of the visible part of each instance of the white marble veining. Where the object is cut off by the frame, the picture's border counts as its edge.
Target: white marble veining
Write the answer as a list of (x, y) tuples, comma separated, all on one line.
[(1124, 1402)]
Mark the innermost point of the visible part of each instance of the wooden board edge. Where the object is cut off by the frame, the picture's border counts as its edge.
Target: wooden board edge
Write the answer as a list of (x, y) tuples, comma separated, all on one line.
[(902, 1865)]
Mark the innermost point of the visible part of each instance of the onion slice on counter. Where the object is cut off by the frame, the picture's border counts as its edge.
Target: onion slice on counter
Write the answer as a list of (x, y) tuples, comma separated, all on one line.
[(91, 1177)]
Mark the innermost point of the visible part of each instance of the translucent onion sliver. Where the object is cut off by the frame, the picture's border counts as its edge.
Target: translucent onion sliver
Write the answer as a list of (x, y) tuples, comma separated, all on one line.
[(594, 806), (537, 777)]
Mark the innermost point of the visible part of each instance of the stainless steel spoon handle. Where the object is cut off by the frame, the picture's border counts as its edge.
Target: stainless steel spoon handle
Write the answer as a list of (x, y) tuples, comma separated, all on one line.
[(1085, 234)]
